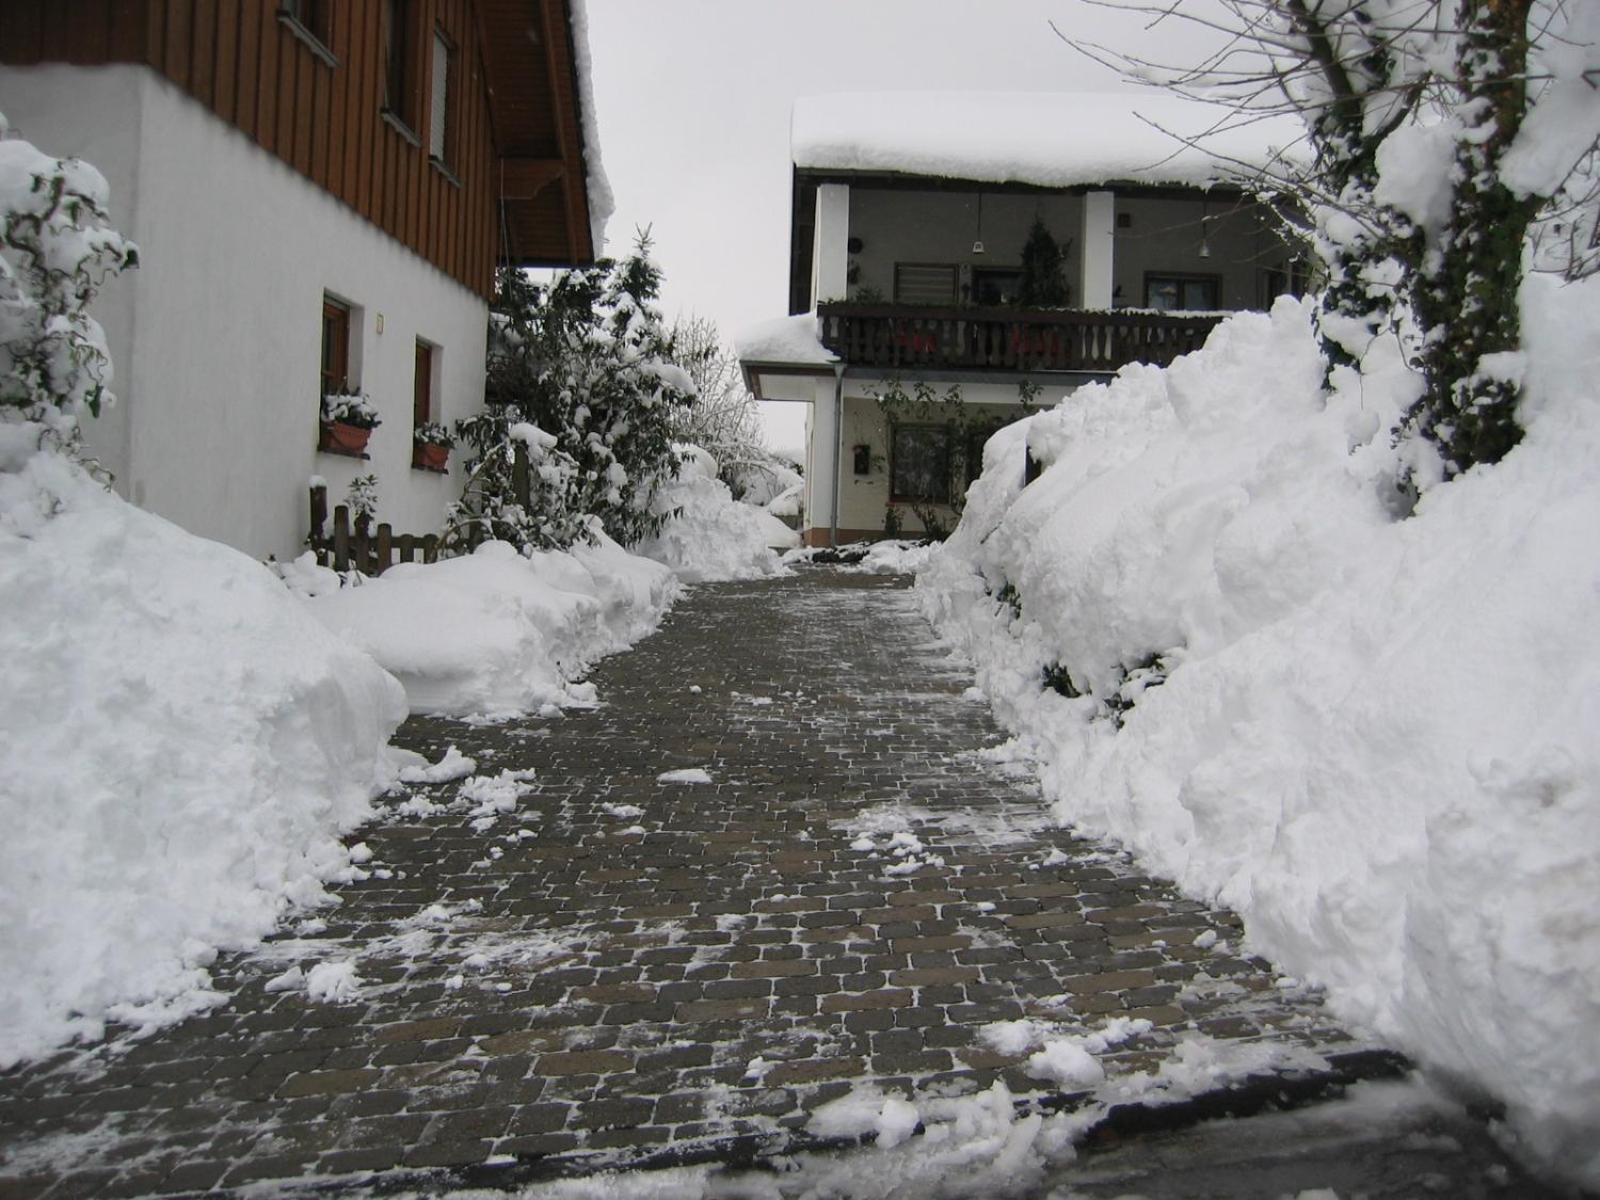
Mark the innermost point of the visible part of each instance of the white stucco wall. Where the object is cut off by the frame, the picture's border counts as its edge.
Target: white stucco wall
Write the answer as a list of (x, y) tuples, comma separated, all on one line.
[(216, 338)]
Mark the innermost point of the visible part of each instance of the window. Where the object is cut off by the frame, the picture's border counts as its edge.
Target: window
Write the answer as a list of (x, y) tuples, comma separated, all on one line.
[(1287, 279), (335, 347), (919, 463), (312, 21), (994, 286), (439, 101), (397, 83), (422, 387), (928, 284), (1175, 292)]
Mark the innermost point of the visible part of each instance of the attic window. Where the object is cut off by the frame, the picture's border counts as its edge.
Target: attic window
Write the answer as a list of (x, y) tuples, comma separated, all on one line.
[(439, 100), (311, 21), (399, 88)]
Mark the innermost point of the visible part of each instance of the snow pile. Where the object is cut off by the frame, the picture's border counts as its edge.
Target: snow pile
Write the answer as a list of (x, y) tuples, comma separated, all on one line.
[(709, 535), (1378, 739), (183, 748), (1052, 139), (494, 631)]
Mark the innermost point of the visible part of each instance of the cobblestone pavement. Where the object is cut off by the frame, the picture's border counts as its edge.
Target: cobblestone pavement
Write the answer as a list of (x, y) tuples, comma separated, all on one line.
[(616, 967)]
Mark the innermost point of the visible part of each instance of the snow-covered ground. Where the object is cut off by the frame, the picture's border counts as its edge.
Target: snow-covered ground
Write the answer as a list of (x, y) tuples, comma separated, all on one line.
[(1377, 738), (183, 747)]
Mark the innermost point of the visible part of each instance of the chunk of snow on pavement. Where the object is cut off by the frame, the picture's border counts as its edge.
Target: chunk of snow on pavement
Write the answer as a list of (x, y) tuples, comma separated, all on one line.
[(492, 794), (183, 750), (1012, 1037), (292, 980), (1065, 1063), (452, 766), (622, 811), (333, 982), (685, 775), (897, 1120)]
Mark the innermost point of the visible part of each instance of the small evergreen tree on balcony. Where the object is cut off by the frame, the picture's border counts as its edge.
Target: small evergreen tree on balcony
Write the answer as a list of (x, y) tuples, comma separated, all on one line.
[(1042, 284)]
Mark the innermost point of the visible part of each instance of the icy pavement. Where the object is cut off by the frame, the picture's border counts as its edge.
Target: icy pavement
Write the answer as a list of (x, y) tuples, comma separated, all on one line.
[(781, 890)]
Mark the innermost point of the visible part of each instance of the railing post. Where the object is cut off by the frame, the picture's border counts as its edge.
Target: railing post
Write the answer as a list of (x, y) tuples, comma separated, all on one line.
[(385, 549), (341, 538)]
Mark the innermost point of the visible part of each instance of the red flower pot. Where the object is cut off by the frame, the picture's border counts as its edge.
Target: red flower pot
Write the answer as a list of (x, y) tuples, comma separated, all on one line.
[(339, 438), (428, 456)]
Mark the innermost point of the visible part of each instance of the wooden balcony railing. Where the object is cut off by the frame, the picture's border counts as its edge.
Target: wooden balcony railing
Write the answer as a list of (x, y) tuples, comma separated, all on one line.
[(1007, 339)]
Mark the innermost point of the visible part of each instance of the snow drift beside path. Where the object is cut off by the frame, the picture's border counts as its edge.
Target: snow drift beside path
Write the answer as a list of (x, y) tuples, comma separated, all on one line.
[(711, 536), (182, 748), (496, 632), (1378, 739)]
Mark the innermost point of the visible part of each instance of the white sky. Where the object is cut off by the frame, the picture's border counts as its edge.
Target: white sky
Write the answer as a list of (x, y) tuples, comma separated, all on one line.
[(693, 100)]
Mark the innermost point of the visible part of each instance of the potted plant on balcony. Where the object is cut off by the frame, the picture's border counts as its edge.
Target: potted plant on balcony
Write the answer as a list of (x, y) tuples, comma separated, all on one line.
[(430, 446), (347, 423)]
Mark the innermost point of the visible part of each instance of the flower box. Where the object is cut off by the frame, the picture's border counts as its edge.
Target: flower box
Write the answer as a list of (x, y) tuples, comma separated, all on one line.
[(338, 437)]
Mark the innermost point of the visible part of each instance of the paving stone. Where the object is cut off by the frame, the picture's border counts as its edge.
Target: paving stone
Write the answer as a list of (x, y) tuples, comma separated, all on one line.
[(743, 925)]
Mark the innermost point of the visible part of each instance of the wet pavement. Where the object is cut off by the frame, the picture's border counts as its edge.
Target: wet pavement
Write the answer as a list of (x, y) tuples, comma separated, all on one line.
[(785, 857)]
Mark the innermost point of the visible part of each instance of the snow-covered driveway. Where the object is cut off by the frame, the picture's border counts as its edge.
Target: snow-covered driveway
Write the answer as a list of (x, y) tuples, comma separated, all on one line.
[(784, 862)]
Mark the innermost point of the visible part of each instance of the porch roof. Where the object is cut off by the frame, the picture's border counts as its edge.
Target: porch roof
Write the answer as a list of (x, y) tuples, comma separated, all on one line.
[(1047, 139)]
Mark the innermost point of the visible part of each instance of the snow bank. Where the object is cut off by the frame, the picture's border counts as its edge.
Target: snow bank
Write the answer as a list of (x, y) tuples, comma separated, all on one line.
[(496, 632), (183, 747), (710, 535), (1379, 739), (1052, 139)]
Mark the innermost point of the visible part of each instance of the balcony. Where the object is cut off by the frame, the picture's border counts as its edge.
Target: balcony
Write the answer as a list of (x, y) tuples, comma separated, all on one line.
[(901, 337)]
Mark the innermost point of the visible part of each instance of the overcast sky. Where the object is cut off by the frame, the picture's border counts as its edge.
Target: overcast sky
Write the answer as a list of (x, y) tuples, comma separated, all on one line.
[(693, 100)]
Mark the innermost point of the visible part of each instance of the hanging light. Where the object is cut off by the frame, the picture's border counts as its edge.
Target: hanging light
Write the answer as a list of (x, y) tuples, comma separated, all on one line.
[(1205, 226), (977, 245)]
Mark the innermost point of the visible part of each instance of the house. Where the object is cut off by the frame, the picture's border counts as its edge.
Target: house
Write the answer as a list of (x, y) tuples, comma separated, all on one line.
[(321, 192), (913, 217)]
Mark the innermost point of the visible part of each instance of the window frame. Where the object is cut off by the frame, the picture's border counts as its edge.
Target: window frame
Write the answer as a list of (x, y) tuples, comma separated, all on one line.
[(979, 273), (311, 21), (400, 91), (897, 461), (443, 155), (1182, 279), (335, 376)]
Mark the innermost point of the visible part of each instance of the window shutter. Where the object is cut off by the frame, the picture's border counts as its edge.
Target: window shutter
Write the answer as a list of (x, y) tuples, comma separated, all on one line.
[(924, 284), (441, 90)]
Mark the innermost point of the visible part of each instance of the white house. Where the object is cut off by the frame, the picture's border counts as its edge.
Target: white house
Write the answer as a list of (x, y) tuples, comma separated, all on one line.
[(910, 216), (320, 192)]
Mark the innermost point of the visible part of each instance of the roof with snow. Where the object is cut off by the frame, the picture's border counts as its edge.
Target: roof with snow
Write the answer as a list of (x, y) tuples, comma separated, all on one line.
[(1049, 139)]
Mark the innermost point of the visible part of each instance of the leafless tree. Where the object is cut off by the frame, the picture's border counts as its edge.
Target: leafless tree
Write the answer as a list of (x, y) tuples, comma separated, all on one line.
[(1412, 109)]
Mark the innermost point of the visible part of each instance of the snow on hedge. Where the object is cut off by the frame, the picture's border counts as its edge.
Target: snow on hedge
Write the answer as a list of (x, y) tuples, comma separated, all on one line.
[(1379, 739), (496, 632), (710, 535), (183, 747)]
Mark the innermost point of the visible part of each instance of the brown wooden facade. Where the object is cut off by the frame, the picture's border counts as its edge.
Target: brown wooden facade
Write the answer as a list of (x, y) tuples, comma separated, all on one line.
[(512, 184)]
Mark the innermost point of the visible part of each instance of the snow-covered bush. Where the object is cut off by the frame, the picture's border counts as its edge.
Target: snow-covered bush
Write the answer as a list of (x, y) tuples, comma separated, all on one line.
[(708, 535), (355, 409), (56, 248), (586, 364), (1377, 738)]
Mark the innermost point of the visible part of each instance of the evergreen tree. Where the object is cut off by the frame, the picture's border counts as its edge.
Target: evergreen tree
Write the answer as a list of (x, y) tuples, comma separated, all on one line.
[(581, 377), (1042, 285)]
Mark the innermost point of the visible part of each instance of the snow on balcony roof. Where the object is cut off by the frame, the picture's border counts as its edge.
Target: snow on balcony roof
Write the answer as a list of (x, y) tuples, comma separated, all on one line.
[(1051, 139), (783, 340)]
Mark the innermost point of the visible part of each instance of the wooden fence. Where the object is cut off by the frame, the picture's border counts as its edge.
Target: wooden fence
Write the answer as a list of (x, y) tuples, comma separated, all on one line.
[(355, 546)]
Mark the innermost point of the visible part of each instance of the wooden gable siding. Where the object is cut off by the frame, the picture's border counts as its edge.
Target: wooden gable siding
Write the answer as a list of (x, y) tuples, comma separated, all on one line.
[(251, 68)]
